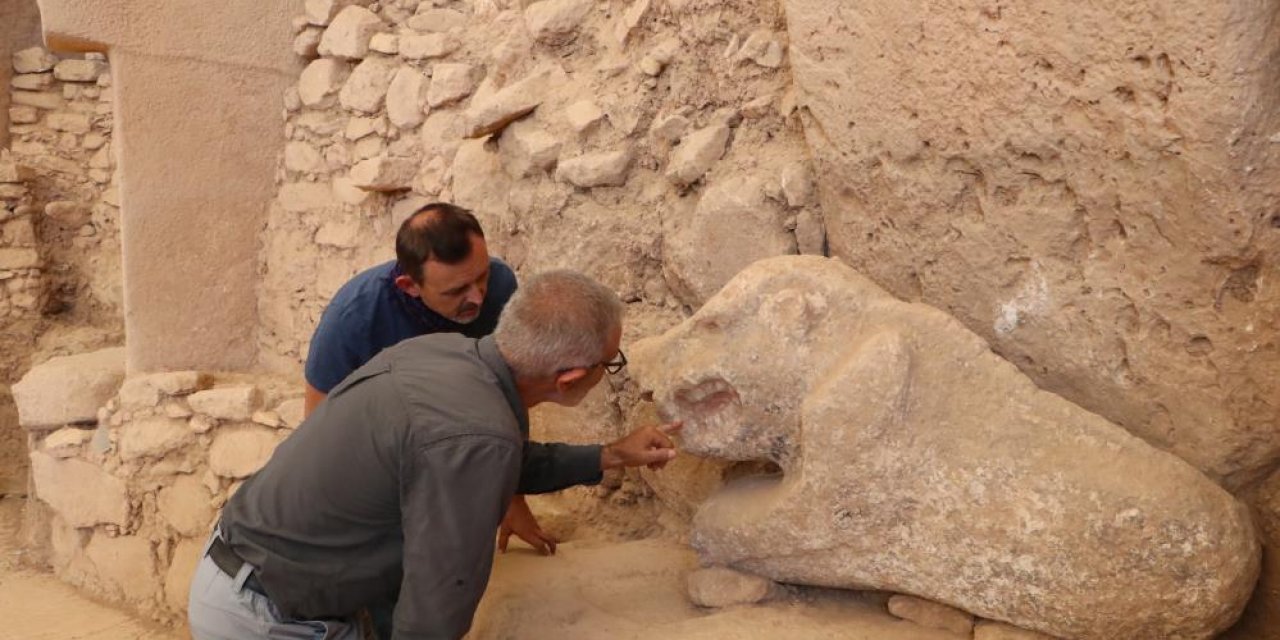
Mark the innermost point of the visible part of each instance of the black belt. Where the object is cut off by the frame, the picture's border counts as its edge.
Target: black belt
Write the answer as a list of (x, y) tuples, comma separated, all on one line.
[(230, 563)]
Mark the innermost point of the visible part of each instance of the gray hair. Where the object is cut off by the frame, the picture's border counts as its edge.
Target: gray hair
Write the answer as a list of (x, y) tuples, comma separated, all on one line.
[(557, 320)]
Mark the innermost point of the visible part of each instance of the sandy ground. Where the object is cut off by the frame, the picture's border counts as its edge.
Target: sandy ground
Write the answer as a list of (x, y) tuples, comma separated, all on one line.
[(634, 590), (36, 606)]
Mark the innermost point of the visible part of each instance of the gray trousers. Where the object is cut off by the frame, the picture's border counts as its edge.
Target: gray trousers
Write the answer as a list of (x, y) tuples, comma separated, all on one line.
[(221, 608)]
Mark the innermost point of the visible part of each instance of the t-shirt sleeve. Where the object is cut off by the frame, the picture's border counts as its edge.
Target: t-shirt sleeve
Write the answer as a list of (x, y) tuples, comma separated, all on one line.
[(330, 358)]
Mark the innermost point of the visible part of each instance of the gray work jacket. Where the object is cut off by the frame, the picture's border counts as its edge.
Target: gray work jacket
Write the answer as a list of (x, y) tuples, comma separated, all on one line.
[(397, 482)]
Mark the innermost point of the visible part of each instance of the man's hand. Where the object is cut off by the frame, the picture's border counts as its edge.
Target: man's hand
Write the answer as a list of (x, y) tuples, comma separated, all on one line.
[(520, 521), (650, 446)]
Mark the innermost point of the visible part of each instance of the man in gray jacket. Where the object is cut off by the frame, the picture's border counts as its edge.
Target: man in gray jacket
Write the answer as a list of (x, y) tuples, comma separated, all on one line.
[(398, 481)]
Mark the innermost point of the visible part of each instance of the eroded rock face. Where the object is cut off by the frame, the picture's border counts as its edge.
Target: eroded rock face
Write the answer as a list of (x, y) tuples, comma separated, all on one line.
[(918, 461)]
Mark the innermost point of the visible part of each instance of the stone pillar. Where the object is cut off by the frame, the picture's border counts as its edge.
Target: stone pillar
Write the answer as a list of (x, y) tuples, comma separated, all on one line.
[(19, 29), (198, 89)]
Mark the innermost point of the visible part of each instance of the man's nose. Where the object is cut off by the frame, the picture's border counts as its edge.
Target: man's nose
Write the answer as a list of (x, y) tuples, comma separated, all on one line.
[(474, 295)]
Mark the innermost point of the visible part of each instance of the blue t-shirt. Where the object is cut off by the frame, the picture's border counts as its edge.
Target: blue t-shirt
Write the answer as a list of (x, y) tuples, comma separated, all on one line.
[(369, 314)]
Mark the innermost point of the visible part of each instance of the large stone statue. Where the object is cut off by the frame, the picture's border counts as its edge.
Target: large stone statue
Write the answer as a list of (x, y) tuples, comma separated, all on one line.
[(915, 460)]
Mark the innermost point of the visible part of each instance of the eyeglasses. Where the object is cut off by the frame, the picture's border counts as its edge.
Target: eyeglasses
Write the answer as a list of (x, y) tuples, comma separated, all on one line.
[(615, 365)]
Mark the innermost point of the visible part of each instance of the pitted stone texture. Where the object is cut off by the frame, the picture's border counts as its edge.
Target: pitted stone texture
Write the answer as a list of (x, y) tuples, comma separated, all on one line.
[(185, 506), (384, 173), (1066, 217), (734, 225), (68, 389), (406, 97), (79, 70), (556, 21), (366, 88), (918, 461), (152, 437), (721, 587), (34, 60), (227, 403), (82, 493), (604, 169), (239, 451), (934, 615), (349, 33)]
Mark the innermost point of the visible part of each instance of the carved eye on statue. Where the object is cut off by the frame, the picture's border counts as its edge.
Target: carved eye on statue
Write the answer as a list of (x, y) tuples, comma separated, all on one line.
[(793, 313)]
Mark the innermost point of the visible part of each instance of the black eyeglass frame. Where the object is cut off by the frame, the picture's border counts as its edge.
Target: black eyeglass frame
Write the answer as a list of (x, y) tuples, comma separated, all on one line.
[(610, 366)]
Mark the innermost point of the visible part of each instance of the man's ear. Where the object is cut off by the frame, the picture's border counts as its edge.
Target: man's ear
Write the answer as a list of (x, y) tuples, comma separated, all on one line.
[(407, 285), (566, 379)]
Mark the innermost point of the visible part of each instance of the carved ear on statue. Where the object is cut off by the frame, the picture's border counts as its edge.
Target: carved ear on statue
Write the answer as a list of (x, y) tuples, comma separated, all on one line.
[(864, 395)]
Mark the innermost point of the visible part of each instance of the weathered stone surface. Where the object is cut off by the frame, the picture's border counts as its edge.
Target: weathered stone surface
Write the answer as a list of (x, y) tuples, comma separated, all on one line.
[(1068, 220), (608, 168), (527, 148), (514, 101), (733, 225), (68, 212), (79, 70), (387, 43), (68, 389), (178, 383), (349, 33), (556, 20), (34, 60), (721, 587), (797, 185), (238, 451), (38, 99), (307, 43), (934, 615), (582, 114), (305, 196), (227, 403), (451, 82), (11, 171), (302, 157), (152, 437), (82, 493), (126, 564), (696, 154), (365, 90), (406, 97), (32, 81), (177, 580), (968, 484), (762, 48), (429, 19), (23, 115), (136, 394), (322, 12), (384, 173), (989, 630), (11, 258), (185, 506), (430, 45), (321, 79), (69, 122), (65, 443)]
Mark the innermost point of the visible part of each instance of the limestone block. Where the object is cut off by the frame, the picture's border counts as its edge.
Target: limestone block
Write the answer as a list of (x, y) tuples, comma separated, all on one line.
[(226, 403), (512, 102), (607, 168), (68, 389), (407, 97), (68, 545), (102, 159), (811, 236), (177, 410), (322, 12), (915, 459), (338, 233), (583, 114), (34, 60), (797, 184), (177, 579), (185, 506), (307, 43), (152, 437), (302, 157), (733, 225), (989, 630), (23, 115), (305, 196), (178, 383), (93, 142), (79, 70), (360, 127), (40, 100), (430, 19), (321, 78), (291, 412), (19, 258), (19, 232), (384, 173), (67, 212), (527, 148), (67, 442), (386, 43), (32, 81), (137, 394), (11, 171), (348, 34), (721, 587), (405, 207), (556, 21), (933, 615), (429, 45), (82, 493), (345, 190), (367, 87), (267, 419), (126, 563), (630, 20), (451, 82), (238, 451), (696, 154)]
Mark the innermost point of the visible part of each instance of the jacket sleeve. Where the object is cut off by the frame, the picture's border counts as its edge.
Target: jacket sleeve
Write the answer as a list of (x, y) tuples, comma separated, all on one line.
[(552, 467), (453, 495)]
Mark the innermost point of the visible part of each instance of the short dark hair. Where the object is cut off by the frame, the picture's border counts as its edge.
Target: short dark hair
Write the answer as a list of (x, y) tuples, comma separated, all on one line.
[(438, 230)]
